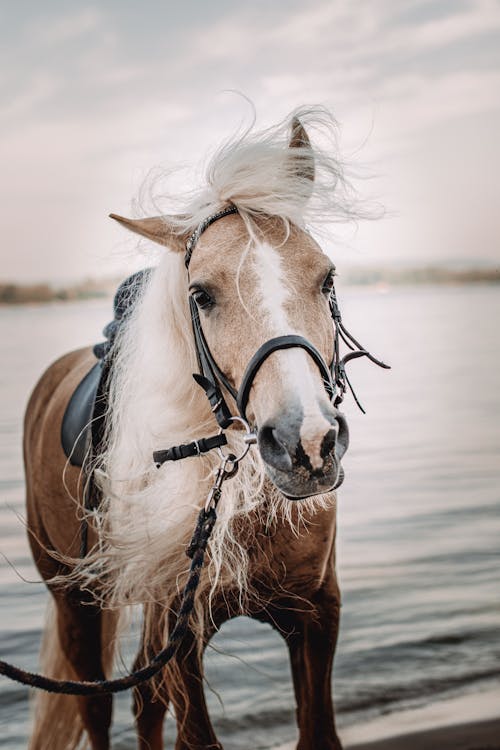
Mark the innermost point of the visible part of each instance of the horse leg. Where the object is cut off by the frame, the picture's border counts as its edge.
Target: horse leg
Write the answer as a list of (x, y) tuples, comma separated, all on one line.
[(80, 628), (181, 683), (151, 698), (150, 705), (194, 728), (311, 638)]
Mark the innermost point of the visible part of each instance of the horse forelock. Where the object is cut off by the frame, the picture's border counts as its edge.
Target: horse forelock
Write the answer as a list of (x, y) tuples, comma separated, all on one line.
[(258, 172)]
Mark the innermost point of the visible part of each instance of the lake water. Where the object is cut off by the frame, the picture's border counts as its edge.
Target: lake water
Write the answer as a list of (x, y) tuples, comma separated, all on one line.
[(419, 522)]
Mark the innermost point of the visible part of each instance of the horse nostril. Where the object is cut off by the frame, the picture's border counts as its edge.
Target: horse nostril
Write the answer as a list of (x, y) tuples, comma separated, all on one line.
[(272, 449), (328, 444)]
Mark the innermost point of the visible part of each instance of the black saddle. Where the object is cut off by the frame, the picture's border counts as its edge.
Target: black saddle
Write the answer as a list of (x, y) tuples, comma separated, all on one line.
[(76, 429), (83, 423)]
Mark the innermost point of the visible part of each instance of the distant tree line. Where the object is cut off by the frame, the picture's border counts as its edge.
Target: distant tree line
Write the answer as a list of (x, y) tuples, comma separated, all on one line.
[(422, 275), (19, 294), (15, 294)]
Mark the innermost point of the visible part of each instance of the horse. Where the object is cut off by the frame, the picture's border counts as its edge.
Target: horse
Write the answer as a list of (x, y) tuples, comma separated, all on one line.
[(255, 274)]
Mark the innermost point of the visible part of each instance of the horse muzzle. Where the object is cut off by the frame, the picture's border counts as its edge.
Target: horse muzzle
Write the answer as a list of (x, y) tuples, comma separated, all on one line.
[(303, 459)]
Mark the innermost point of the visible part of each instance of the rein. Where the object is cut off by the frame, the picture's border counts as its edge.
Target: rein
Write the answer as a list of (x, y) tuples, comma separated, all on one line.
[(212, 380), (196, 551)]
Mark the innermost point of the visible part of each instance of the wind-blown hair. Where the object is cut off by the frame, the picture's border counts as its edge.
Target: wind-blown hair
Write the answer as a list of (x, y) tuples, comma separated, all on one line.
[(255, 171), (147, 513)]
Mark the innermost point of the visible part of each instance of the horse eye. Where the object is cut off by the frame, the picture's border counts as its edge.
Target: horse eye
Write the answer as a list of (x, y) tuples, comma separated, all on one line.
[(328, 282), (203, 299)]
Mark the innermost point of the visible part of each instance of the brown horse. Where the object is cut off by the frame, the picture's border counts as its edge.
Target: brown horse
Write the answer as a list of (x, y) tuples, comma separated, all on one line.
[(254, 275)]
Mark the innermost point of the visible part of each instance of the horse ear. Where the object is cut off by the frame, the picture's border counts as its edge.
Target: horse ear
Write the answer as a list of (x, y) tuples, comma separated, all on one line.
[(300, 139), (157, 228)]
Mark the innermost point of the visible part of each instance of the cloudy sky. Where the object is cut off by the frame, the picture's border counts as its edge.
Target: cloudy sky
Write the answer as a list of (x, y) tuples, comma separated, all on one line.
[(93, 95)]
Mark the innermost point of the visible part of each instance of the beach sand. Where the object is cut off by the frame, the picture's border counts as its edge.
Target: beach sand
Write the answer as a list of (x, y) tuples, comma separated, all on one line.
[(481, 735), (467, 722)]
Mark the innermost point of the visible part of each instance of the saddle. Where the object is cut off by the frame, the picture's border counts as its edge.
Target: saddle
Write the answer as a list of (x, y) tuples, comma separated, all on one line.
[(78, 425), (83, 424)]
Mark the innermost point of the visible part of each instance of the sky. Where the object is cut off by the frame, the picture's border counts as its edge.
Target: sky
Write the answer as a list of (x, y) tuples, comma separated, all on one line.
[(95, 95)]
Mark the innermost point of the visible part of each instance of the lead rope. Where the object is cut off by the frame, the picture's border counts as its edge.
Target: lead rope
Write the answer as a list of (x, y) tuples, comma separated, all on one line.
[(196, 551)]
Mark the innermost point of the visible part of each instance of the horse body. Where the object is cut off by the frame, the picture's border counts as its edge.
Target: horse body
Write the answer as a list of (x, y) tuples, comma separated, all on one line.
[(293, 574), (271, 558)]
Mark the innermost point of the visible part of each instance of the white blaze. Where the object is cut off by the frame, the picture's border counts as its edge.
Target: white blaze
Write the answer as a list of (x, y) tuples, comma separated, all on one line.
[(295, 364)]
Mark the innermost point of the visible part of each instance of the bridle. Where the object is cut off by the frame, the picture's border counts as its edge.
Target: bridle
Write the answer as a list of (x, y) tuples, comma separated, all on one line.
[(213, 380)]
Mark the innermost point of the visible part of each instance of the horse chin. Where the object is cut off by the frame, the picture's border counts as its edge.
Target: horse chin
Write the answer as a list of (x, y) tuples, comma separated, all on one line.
[(295, 487)]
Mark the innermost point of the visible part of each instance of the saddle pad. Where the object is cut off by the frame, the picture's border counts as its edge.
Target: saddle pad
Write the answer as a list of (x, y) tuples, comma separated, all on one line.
[(76, 428)]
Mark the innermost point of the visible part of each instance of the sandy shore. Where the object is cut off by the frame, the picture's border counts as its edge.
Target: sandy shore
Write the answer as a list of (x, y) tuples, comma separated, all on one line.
[(478, 735), (481, 735), (467, 722)]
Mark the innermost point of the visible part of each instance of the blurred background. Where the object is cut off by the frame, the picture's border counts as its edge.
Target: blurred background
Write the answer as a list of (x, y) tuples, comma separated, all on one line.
[(95, 95)]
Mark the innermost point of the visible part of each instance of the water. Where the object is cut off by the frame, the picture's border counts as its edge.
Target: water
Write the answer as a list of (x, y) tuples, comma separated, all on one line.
[(419, 527)]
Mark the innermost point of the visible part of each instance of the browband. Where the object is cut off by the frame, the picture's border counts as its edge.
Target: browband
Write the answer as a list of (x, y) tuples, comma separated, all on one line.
[(193, 239)]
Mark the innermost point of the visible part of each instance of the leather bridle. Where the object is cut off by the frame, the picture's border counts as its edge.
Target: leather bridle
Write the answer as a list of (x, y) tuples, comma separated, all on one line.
[(213, 380)]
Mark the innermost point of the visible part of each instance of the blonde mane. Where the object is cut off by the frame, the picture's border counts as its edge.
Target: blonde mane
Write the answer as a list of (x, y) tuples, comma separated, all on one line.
[(148, 513)]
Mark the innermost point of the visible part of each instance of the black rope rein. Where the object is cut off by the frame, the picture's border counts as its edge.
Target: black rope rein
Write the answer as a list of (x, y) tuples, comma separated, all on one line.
[(196, 551)]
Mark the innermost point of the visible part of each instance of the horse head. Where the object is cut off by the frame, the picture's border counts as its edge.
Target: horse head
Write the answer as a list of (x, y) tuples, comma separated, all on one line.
[(260, 289)]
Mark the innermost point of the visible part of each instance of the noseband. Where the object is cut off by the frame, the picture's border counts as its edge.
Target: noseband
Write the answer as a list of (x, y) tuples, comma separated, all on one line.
[(211, 377)]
